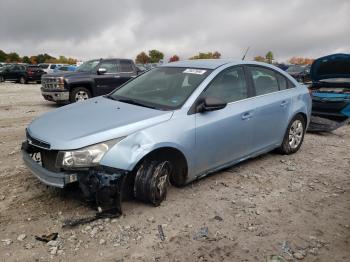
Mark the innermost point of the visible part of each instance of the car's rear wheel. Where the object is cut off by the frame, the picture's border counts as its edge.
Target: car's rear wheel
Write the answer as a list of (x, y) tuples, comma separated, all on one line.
[(23, 80), (79, 94), (152, 181), (294, 135)]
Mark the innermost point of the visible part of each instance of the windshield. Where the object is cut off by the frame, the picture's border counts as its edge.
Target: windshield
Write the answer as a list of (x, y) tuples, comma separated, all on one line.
[(161, 88), (44, 66), (88, 66), (295, 69)]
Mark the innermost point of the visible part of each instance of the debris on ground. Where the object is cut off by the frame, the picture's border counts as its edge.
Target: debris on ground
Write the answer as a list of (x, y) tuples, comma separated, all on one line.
[(202, 233), (47, 238), (161, 232), (274, 258), (21, 237)]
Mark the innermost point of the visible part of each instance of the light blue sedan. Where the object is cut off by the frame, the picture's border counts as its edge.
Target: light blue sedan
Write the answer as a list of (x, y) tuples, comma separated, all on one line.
[(171, 125)]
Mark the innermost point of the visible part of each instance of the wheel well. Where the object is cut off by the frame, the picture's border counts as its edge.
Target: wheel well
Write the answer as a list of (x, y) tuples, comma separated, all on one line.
[(303, 116), (72, 86), (177, 158)]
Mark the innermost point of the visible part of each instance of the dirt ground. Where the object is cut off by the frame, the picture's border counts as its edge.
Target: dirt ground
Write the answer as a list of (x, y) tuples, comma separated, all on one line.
[(297, 206)]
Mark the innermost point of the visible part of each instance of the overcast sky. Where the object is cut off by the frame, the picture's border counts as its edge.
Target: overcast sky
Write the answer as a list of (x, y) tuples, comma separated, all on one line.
[(109, 28)]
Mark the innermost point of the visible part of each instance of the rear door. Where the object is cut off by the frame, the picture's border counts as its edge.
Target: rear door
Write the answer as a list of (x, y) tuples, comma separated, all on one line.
[(272, 105), (106, 83), (127, 70), (225, 135)]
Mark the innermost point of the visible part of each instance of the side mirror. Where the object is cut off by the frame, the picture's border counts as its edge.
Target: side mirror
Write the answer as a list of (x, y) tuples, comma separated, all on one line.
[(101, 71), (211, 104)]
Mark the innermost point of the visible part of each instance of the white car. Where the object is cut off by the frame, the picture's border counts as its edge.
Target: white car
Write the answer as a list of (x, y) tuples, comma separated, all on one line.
[(49, 68)]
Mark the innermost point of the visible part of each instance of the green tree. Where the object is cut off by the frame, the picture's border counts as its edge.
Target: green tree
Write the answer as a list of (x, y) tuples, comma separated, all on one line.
[(142, 58), (174, 58), (155, 56), (26, 60), (13, 57), (3, 56), (269, 57)]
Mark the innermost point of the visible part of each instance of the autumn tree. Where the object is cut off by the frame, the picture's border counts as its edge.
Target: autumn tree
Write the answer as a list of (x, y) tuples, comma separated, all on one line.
[(155, 56), (174, 58), (209, 55), (301, 61), (13, 57), (269, 57), (142, 58), (259, 58)]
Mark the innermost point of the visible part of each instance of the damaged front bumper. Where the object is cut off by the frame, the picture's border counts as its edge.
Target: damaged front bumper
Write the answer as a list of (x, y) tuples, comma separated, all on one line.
[(101, 184)]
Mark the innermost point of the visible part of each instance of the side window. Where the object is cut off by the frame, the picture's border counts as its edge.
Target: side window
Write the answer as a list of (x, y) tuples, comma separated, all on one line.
[(229, 85), (52, 66), (125, 66), (265, 80), (110, 66), (282, 82)]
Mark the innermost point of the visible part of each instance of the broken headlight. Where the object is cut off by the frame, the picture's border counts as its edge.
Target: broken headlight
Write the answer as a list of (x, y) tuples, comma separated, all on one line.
[(85, 157)]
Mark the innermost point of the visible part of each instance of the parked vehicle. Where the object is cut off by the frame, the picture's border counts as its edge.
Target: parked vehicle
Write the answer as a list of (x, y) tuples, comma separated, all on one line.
[(69, 68), (49, 68), (300, 73), (21, 73), (93, 78), (330, 91), (177, 123)]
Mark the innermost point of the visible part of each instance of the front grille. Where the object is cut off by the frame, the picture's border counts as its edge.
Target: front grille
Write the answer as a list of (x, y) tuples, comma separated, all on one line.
[(49, 83), (35, 142)]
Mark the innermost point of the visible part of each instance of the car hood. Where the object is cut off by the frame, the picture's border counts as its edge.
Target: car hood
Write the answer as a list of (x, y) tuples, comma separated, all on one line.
[(69, 74), (92, 121), (334, 69)]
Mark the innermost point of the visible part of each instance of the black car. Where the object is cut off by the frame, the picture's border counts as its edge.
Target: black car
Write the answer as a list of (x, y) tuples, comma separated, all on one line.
[(92, 78), (300, 73), (21, 73)]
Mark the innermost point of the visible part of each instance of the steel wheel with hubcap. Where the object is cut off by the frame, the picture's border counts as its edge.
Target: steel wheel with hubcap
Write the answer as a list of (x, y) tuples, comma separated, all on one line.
[(294, 135)]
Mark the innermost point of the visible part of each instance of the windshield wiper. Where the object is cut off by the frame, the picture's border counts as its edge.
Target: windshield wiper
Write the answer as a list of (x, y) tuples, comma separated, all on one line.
[(133, 102)]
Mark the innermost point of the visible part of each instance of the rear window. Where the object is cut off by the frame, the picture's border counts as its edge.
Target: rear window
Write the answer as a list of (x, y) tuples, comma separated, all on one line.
[(125, 66)]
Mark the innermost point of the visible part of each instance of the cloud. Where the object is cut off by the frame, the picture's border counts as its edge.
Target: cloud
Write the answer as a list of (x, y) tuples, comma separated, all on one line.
[(106, 28)]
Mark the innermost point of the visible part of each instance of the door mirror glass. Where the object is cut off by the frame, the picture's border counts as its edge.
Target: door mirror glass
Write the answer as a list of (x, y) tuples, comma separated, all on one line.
[(211, 104), (101, 71)]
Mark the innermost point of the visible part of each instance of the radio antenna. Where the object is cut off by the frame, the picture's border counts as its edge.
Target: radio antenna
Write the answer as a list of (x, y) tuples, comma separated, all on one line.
[(246, 51)]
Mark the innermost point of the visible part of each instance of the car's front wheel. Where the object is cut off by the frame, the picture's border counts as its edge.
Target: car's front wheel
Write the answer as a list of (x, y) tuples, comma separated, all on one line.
[(152, 181), (294, 135), (79, 94)]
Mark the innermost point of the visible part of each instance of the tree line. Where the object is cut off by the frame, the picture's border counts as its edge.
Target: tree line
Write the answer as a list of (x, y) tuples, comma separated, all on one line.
[(269, 58), (13, 57)]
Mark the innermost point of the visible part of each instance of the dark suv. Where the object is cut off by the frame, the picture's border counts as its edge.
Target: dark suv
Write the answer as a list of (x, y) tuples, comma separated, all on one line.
[(21, 73), (92, 78)]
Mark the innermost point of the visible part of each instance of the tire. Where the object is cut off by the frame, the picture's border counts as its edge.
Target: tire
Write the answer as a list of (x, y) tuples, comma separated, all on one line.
[(2, 79), (152, 181), (294, 136), (79, 94), (23, 80), (38, 82)]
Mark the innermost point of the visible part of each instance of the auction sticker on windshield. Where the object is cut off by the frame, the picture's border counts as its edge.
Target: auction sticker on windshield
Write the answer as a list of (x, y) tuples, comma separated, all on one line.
[(194, 71)]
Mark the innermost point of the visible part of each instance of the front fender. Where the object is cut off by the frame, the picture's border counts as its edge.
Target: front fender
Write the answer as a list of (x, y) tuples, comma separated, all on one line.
[(128, 152)]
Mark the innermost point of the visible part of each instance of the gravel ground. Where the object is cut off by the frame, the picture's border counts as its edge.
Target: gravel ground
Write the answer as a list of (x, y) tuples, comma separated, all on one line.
[(296, 207)]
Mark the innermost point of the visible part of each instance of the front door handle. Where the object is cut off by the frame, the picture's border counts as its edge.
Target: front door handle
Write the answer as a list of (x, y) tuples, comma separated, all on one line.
[(116, 76), (247, 115), (284, 103)]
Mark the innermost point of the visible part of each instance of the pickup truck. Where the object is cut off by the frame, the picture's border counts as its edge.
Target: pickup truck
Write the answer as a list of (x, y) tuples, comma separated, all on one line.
[(92, 78)]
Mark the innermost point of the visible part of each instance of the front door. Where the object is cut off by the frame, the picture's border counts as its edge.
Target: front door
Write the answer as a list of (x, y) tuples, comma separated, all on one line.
[(107, 82), (225, 135)]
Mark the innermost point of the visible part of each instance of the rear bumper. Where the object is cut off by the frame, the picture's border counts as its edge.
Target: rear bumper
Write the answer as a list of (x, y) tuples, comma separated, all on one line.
[(55, 96), (47, 177)]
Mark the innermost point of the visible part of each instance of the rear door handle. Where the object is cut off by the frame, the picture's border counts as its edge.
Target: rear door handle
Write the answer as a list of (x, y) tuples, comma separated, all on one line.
[(247, 115)]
